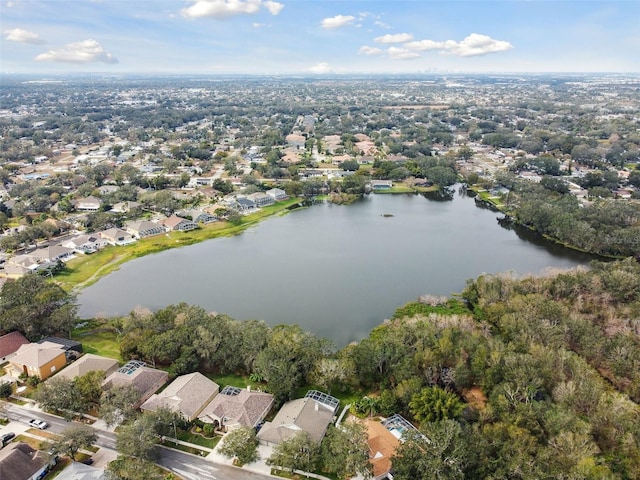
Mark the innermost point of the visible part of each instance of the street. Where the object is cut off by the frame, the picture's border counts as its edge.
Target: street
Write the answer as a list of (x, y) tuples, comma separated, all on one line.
[(185, 465)]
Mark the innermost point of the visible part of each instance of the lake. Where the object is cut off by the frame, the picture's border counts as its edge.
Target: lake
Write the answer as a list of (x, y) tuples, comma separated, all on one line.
[(337, 271)]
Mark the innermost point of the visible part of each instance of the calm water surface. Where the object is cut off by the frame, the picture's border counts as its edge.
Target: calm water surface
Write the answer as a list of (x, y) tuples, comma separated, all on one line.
[(337, 271)]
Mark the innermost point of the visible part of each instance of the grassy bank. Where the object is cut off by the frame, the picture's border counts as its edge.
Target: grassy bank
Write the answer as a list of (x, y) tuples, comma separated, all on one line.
[(404, 188), (88, 269)]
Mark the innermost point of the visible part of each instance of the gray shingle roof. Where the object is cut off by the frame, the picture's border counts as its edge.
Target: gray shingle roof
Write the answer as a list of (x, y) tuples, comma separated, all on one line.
[(302, 414), (246, 408)]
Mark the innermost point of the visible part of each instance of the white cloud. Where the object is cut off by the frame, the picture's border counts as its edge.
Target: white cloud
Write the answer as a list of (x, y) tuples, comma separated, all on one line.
[(398, 53), (422, 45), (477, 44), (274, 7), (88, 51), (367, 50), (337, 21), (322, 67), (22, 36), (381, 24), (261, 25), (229, 8), (394, 38)]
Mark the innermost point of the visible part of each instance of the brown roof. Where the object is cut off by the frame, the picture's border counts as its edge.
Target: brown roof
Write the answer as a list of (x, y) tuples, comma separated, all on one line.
[(246, 408), (302, 414), (382, 446), (11, 342), (18, 461), (145, 380)]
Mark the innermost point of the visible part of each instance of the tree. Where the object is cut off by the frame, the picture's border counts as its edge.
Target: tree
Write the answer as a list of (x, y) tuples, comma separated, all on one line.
[(433, 403), (60, 395), (242, 444), (299, 452), (345, 451), (127, 468), (441, 451), (117, 404), (73, 439), (139, 439), (36, 308), (6, 389), (89, 386)]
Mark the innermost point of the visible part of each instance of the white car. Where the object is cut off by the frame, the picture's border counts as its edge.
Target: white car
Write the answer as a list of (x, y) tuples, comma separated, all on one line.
[(37, 423)]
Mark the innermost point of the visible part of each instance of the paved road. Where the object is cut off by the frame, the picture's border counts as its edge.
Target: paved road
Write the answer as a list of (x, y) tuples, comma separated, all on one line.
[(187, 466)]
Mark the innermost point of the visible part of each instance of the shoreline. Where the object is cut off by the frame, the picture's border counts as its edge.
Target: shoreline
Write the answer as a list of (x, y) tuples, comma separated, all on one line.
[(86, 270)]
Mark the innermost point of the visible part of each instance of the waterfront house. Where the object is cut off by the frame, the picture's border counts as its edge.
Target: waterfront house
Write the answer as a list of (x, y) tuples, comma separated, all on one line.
[(144, 379), (88, 363), (277, 194), (52, 253), (382, 446), (85, 243), (381, 184), (302, 414), (234, 407), (179, 224), (187, 395), (261, 199), (116, 236), (144, 229)]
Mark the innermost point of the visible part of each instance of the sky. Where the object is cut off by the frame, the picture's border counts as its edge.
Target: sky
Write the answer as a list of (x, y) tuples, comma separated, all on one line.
[(318, 36)]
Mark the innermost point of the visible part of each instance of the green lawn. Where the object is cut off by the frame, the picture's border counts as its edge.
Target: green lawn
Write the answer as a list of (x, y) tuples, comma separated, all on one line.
[(198, 439), (182, 448), (99, 342), (87, 269)]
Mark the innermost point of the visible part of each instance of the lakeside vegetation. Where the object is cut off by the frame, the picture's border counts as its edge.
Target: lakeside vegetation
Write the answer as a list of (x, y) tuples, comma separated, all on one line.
[(533, 377), (88, 269)]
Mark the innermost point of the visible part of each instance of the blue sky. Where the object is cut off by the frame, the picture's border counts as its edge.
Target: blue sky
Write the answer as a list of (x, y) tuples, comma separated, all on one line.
[(317, 36)]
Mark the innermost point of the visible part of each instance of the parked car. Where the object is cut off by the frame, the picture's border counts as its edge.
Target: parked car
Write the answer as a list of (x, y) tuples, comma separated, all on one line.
[(37, 423), (88, 461), (4, 438)]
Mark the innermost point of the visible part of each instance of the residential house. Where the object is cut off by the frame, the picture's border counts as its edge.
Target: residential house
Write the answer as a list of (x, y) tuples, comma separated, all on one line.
[(19, 461), (302, 414), (80, 471), (89, 363), (144, 229), (72, 348), (261, 199), (179, 224), (382, 446), (85, 243), (9, 345), (234, 407), (245, 204), (125, 207), (37, 360), (89, 204), (277, 194), (200, 216), (144, 379), (52, 253), (381, 184), (116, 236), (186, 395), (20, 265)]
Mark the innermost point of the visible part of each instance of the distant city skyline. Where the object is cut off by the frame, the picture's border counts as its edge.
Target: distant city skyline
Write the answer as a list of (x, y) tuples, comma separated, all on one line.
[(318, 37)]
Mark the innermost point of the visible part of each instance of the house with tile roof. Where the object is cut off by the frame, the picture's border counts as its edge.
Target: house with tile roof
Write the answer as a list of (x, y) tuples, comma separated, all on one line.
[(18, 461), (89, 363), (302, 414), (178, 224), (9, 345), (186, 395), (234, 407), (37, 359), (144, 228), (116, 236), (144, 379), (382, 446)]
